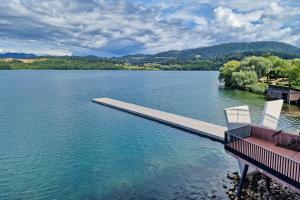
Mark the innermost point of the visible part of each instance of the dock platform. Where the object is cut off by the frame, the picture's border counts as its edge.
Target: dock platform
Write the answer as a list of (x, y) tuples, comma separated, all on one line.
[(201, 128)]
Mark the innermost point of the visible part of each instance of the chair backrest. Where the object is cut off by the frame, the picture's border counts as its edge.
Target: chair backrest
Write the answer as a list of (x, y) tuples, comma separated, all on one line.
[(271, 114), (237, 117)]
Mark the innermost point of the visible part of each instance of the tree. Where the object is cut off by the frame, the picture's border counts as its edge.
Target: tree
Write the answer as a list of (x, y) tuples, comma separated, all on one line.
[(5, 65), (243, 78), (294, 75), (227, 70), (262, 66), (281, 67), (296, 62)]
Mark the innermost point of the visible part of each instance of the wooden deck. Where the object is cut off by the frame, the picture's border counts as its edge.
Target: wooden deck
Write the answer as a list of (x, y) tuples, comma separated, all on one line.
[(278, 163), (284, 152), (211, 131)]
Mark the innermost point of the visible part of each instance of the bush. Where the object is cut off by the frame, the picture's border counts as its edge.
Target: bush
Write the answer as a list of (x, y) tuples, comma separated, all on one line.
[(257, 88)]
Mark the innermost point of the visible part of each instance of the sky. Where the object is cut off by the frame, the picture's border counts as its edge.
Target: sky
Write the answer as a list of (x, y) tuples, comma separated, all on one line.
[(115, 28)]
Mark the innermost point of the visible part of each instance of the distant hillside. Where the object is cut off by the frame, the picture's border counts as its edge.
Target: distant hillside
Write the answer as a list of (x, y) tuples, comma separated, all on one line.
[(203, 58), (217, 53), (17, 55), (222, 50)]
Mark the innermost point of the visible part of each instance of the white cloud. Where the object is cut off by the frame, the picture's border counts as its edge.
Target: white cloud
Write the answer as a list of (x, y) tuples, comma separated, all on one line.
[(32, 46), (269, 23), (229, 18), (122, 27), (275, 9)]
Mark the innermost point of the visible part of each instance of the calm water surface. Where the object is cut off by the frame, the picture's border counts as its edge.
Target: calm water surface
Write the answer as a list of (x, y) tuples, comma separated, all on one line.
[(56, 144)]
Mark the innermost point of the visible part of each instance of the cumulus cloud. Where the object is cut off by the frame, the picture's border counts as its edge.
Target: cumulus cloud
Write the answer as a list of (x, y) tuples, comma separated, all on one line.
[(274, 22), (226, 17), (110, 27)]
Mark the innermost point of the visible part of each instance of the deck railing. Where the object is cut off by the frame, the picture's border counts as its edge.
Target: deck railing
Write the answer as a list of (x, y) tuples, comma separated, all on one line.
[(282, 167)]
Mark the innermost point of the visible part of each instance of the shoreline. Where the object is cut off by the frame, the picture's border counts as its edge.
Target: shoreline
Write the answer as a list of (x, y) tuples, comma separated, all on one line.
[(286, 106), (255, 188)]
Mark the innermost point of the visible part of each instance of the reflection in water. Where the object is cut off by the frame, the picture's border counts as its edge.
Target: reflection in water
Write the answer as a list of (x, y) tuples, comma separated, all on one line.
[(292, 110)]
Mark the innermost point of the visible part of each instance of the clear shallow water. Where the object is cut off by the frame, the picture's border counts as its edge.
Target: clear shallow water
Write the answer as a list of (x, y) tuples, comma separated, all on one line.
[(56, 144)]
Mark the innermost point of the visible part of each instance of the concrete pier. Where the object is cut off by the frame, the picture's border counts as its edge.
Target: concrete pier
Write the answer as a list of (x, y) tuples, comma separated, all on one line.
[(201, 128)]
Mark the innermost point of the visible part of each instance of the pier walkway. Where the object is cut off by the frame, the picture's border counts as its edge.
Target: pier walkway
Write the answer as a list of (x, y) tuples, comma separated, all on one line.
[(211, 131)]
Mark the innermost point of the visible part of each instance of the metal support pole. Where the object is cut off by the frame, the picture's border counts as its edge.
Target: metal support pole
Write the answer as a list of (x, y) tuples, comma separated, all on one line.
[(243, 178), (268, 183)]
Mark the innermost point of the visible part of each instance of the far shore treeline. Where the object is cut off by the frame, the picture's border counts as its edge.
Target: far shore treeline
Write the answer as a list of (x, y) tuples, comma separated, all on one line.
[(255, 73), (67, 63), (96, 63), (203, 58)]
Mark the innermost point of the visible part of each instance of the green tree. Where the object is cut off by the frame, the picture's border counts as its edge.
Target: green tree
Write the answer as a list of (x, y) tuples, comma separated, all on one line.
[(227, 70), (294, 75), (296, 62), (281, 67), (243, 78), (4, 65), (262, 66)]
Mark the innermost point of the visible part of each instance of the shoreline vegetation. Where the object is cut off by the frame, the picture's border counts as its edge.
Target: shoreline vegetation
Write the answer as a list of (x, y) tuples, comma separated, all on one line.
[(255, 73), (209, 58), (227, 67), (67, 63)]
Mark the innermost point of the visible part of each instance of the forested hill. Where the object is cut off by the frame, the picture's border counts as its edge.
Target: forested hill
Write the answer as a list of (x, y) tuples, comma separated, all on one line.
[(222, 50), (215, 55)]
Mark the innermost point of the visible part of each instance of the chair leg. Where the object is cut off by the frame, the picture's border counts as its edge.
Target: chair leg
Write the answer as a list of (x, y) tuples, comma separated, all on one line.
[(243, 178)]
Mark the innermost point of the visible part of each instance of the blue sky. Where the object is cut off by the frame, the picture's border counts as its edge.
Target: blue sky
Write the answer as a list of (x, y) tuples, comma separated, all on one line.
[(116, 28)]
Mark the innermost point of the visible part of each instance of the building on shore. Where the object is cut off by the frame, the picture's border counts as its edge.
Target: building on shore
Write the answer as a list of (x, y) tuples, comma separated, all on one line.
[(288, 94)]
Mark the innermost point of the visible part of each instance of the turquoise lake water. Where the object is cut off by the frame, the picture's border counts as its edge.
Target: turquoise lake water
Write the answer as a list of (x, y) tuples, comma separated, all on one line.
[(56, 144)]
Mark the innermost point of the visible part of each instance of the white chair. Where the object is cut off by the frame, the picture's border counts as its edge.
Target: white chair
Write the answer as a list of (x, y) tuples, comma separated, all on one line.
[(271, 114), (237, 117)]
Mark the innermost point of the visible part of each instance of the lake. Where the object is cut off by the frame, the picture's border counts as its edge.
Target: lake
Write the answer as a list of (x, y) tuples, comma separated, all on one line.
[(57, 144)]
